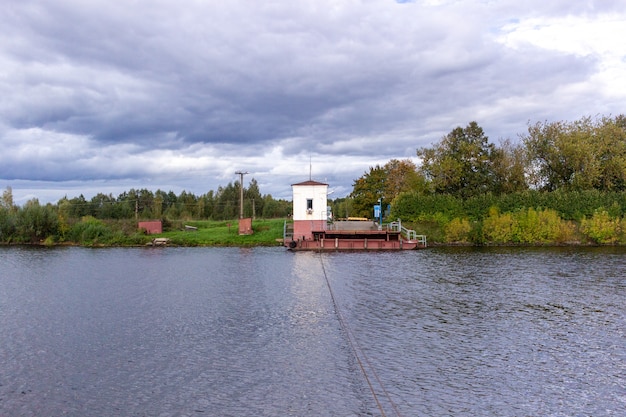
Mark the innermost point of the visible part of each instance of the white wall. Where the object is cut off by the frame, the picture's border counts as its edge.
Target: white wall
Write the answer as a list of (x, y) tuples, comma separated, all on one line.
[(318, 193)]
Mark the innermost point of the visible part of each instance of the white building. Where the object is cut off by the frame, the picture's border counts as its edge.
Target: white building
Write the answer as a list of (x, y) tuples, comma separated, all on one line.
[(310, 210)]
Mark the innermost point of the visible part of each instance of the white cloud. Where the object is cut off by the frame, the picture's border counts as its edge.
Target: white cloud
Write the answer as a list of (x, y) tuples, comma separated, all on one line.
[(580, 35), (183, 94), (600, 38)]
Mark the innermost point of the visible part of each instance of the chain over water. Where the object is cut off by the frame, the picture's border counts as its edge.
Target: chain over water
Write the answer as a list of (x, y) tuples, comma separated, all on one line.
[(359, 355)]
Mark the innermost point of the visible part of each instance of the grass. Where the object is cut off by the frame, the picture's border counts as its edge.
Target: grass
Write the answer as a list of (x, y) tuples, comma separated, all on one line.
[(225, 233)]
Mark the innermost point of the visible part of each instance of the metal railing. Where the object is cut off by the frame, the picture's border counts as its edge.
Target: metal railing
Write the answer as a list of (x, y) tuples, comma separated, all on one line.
[(287, 231), (409, 234)]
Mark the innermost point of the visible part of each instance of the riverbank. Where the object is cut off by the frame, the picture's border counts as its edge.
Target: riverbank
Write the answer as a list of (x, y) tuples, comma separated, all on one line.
[(266, 232), (269, 232)]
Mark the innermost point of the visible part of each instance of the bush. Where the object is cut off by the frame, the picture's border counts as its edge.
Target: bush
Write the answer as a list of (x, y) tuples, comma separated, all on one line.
[(499, 228), (413, 206), (477, 207), (458, 230), (602, 228), (36, 222), (89, 231), (8, 226), (528, 226), (544, 226)]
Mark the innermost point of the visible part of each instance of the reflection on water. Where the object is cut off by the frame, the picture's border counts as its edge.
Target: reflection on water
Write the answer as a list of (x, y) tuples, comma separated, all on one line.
[(253, 332)]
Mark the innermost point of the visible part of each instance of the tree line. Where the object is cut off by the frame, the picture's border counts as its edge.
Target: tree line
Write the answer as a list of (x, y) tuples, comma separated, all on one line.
[(466, 184), (33, 222), (222, 204), (587, 154)]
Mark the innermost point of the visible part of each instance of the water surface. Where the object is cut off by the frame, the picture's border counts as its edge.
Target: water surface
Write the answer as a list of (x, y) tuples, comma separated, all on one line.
[(255, 332)]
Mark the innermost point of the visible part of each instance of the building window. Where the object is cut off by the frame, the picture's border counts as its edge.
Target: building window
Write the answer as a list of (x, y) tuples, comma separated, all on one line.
[(309, 205)]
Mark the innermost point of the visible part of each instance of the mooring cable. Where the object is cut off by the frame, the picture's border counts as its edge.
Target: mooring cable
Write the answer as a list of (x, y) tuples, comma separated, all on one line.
[(354, 345)]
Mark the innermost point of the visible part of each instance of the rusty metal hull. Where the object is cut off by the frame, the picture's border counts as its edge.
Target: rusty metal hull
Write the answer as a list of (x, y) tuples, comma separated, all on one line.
[(351, 244)]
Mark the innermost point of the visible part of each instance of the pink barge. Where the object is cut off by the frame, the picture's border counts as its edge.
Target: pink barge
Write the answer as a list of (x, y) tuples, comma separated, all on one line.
[(314, 229)]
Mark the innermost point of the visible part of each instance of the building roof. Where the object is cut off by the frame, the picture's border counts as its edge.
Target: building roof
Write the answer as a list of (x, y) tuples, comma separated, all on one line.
[(309, 182)]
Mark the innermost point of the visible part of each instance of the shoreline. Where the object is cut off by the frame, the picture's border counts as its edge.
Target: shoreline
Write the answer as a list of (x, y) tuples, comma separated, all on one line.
[(278, 244)]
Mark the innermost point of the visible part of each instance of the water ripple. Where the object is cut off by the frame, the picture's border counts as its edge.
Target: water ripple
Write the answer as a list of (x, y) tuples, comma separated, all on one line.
[(253, 332)]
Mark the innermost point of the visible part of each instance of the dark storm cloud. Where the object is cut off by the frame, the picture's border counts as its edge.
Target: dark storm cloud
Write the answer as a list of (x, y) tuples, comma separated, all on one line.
[(109, 90)]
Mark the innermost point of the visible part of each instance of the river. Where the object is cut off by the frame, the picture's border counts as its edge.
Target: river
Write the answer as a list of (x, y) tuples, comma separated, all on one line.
[(266, 332)]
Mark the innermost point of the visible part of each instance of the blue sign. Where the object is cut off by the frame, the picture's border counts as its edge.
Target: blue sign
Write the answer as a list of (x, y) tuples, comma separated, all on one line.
[(377, 211)]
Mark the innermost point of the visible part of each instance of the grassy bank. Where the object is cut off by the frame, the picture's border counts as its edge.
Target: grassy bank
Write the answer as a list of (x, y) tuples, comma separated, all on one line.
[(224, 233), (523, 227), (92, 232)]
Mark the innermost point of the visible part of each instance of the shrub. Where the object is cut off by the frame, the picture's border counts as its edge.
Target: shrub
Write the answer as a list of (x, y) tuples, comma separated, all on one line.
[(89, 231), (8, 227), (477, 235), (413, 206), (601, 228), (527, 226), (499, 228), (478, 207), (550, 227), (36, 222), (541, 226), (458, 230)]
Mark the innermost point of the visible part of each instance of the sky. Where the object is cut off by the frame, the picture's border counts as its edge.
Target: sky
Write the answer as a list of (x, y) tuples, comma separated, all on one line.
[(104, 96)]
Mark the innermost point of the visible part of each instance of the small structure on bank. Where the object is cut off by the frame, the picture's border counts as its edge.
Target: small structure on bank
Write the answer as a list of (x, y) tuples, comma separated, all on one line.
[(151, 227), (245, 223), (245, 226), (313, 227), (159, 241)]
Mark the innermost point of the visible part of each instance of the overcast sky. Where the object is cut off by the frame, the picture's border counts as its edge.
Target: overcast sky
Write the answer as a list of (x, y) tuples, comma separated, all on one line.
[(105, 95)]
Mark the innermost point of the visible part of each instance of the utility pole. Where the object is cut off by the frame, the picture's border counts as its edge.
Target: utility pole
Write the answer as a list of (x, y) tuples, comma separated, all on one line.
[(241, 174)]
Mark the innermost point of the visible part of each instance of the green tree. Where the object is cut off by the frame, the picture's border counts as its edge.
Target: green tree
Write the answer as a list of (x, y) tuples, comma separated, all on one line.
[(227, 202), (208, 204), (78, 207), (37, 222), (8, 219), (105, 206), (342, 207), (402, 176), (253, 199), (559, 156), (6, 201), (367, 191), (275, 208), (188, 205), (8, 224), (157, 208), (386, 182), (138, 203), (509, 168), (610, 135), (64, 209), (461, 163), (581, 155)]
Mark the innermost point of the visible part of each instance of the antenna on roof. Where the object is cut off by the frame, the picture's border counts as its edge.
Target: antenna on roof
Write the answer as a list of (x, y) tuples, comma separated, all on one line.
[(310, 168)]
